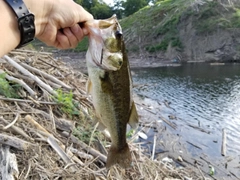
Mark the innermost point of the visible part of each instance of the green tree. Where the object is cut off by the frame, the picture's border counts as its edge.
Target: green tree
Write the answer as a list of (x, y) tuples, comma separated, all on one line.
[(97, 8), (88, 4), (78, 1), (132, 6), (118, 9), (101, 11)]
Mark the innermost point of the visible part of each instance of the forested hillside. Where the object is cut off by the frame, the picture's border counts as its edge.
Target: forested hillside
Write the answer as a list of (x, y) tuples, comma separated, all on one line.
[(174, 30), (185, 30)]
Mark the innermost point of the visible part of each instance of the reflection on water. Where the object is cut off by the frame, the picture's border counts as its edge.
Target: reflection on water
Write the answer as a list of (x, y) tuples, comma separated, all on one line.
[(200, 94)]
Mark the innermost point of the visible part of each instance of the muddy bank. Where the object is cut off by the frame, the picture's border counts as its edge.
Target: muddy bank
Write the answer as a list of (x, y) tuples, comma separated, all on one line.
[(163, 130), (78, 61), (50, 134), (165, 140)]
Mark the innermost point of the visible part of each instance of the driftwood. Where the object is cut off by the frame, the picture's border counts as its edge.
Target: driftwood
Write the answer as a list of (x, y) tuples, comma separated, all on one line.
[(15, 129), (27, 101), (20, 82), (29, 74), (224, 139), (24, 51), (28, 80), (217, 167), (168, 122), (154, 146), (44, 132), (12, 123), (60, 123), (47, 62), (15, 142), (64, 124), (87, 148), (194, 145), (45, 75), (60, 152), (80, 154), (56, 153), (8, 164), (198, 128)]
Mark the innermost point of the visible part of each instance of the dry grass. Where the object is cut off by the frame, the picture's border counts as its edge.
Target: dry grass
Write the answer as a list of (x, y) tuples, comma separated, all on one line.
[(38, 118)]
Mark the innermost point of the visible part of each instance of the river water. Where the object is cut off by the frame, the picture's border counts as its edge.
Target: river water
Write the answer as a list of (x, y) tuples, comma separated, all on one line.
[(202, 95)]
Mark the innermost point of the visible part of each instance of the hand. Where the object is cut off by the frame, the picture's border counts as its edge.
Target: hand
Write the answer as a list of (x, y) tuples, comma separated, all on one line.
[(57, 21)]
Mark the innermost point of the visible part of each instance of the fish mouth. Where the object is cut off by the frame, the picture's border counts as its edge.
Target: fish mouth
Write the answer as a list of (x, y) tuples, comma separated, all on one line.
[(111, 62), (106, 66)]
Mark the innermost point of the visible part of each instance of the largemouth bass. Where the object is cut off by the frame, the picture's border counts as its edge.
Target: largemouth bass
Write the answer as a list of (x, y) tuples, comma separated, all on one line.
[(110, 85)]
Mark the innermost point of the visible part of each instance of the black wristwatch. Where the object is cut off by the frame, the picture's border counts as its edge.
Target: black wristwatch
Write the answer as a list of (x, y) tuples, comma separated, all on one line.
[(25, 20)]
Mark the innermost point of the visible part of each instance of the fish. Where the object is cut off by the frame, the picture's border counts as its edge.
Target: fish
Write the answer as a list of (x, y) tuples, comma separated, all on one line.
[(110, 86)]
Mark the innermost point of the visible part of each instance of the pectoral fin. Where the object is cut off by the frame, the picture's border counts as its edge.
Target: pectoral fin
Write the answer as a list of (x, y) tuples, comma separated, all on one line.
[(133, 118), (89, 86), (101, 126)]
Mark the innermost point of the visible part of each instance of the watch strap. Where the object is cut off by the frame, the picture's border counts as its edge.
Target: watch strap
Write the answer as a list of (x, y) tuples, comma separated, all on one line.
[(25, 21), (18, 7)]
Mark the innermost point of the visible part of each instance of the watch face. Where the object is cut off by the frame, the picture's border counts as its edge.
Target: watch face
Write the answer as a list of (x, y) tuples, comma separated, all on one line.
[(27, 29), (25, 21)]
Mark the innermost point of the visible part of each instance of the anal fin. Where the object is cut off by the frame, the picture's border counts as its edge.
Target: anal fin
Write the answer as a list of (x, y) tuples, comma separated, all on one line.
[(89, 86), (133, 118)]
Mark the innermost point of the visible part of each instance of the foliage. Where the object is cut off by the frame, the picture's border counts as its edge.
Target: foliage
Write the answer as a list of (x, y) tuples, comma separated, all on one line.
[(67, 104), (118, 9), (213, 16), (98, 9), (83, 133), (235, 20), (159, 25), (163, 45), (155, 27), (101, 11), (121, 8), (130, 133), (176, 42), (8, 89), (169, 25), (87, 133), (82, 46), (208, 10), (132, 6)]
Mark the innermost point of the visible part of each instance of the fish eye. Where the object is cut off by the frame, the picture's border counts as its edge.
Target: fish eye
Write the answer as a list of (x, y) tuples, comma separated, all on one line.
[(118, 34)]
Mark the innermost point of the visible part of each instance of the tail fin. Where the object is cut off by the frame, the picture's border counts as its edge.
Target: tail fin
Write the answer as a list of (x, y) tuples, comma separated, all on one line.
[(121, 157)]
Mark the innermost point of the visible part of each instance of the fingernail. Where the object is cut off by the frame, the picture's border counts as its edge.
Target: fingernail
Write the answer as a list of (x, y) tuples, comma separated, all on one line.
[(85, 31)]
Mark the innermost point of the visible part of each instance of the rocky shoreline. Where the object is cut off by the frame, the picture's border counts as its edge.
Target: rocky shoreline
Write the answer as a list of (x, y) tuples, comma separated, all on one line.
[(78, 61), (165, 140)]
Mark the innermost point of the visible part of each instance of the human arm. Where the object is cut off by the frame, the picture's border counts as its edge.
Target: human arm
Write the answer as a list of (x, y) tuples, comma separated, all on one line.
[(56, 23)]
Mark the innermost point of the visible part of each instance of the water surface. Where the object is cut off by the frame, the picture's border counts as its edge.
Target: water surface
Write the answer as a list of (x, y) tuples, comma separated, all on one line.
[(201, 95)]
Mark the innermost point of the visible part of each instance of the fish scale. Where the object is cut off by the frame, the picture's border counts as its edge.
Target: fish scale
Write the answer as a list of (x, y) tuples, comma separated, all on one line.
[(110, 86)]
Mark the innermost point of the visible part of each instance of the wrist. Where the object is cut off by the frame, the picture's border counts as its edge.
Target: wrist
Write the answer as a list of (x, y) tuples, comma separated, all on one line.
[(40, 9), (10, 32), (25, 21)]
